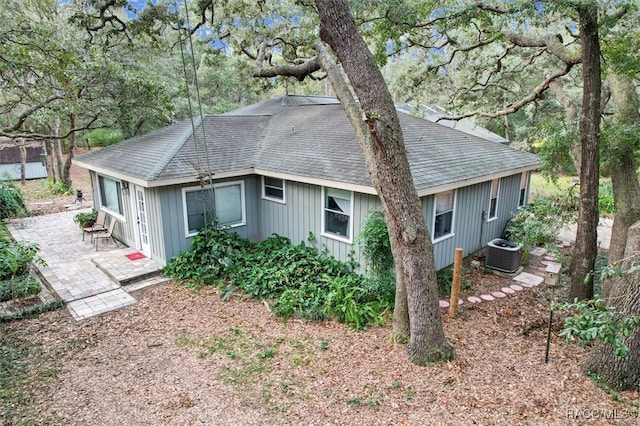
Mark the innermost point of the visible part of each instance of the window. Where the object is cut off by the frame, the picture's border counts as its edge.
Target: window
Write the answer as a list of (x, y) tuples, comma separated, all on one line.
[(273, 189), (337, 207), (493, 200), (198, 208), (224, 201), (229, 203), (523, 189), (110, 195), (443, 218)]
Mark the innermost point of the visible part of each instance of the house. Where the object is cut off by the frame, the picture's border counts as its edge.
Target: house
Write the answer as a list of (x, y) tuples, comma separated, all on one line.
[(292, 166), (11, 159)]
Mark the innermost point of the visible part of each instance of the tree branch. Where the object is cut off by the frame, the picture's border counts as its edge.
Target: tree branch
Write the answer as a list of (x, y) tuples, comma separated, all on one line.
[(491, 8), (300, 70), (36, 135), (550, 42), (536, 94), (26, 114)]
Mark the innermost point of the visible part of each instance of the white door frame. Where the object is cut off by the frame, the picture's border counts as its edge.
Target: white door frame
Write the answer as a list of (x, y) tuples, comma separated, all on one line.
[(141, 218)]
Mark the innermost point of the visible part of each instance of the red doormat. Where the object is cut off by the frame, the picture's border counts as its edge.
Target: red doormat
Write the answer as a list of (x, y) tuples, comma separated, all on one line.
[(135, 256)]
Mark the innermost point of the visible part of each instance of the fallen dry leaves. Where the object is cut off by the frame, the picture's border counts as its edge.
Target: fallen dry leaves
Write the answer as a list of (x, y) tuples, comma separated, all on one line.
[(184, 357)]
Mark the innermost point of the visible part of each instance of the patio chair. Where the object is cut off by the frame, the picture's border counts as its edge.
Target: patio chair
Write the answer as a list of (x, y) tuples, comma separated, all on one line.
[(98, 226), (106, 234)]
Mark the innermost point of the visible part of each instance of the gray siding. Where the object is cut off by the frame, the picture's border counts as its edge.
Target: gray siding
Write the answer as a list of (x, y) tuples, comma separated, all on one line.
[(169, 206), (472, 231), (302, 215)]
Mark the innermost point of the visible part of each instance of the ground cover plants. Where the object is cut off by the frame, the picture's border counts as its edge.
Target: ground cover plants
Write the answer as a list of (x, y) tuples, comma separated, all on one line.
[(16, 258), (295, 280)]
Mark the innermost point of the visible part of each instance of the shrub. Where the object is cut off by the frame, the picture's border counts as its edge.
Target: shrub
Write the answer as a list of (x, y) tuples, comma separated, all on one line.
[(539, 222), (592, 320), (16, 258), (18, 287), (51, 186), (11, 201), (444, 278), (606, 202), (376, 249), (297, 279), (15, 262)]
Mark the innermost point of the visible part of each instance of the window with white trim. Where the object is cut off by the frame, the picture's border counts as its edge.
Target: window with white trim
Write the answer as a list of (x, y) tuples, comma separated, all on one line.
[(224, 201), (110, 195), (444, 208), (273, 189), (524, 180), (229, 203), (337, 209), (493, 199), (198, 208)]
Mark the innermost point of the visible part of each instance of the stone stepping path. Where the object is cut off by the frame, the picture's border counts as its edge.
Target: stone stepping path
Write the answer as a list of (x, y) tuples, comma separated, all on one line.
[(524, 280)]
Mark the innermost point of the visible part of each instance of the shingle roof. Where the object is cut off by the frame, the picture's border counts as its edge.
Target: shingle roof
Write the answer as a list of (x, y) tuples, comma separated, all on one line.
[(308, 137)]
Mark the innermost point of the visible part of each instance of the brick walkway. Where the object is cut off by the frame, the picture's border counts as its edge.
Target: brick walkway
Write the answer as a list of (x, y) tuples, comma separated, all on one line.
[(90, 282)]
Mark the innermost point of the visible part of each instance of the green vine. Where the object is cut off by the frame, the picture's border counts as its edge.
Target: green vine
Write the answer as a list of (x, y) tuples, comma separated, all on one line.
[(376, 250)]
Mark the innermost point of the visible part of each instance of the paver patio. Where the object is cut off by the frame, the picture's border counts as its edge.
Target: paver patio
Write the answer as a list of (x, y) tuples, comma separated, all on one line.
[(90, 282)]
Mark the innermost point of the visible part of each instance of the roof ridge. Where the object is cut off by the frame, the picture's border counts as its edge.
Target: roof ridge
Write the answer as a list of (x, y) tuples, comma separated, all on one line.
[(175, 148)]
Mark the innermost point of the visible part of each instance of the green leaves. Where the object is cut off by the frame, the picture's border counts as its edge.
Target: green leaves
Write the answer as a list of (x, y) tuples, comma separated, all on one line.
[(297, 280), (539, 222), (11, 201), (592, 320), (376, 249)]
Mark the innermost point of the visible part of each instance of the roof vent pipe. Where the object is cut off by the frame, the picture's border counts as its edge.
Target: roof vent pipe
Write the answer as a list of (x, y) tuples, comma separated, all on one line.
[(293, 130)]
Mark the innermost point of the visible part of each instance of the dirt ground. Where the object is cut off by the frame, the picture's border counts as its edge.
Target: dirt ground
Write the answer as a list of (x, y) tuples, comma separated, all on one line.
[(185, 357), (39, 201)]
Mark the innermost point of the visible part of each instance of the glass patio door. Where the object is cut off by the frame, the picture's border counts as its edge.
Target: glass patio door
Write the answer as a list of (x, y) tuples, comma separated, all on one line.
[(141, 212)]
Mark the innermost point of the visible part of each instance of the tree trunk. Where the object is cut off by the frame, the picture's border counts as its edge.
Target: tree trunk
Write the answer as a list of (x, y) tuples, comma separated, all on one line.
[(617, 372), (23, 161), (387, 162), (59, 158), (66, 167), (621, 164), (137, 128), (400, 329), (585, 251), (51, 172)]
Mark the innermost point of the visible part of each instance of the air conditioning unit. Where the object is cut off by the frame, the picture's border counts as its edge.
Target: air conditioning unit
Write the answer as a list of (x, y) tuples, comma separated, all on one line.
[(503, 255)]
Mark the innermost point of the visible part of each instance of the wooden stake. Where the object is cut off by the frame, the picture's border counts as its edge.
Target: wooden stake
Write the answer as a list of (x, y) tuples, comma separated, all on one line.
[(455, 285)]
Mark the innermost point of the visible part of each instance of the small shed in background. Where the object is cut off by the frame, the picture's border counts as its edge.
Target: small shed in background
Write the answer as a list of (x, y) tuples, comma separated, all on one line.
[(11, 159)]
